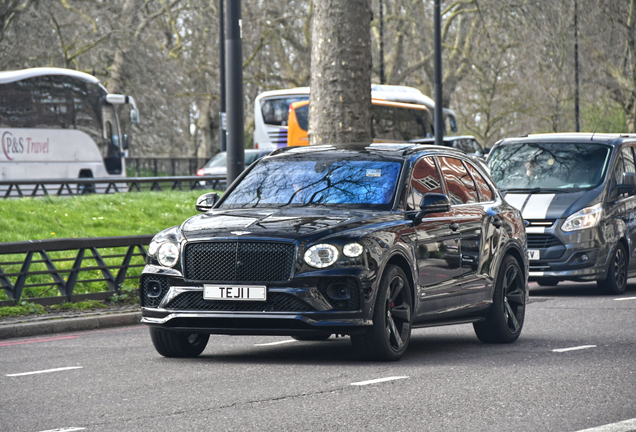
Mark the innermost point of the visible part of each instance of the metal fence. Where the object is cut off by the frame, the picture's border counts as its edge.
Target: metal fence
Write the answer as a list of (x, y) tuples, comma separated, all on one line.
[(163, 166), (62, 264), (79, 186)]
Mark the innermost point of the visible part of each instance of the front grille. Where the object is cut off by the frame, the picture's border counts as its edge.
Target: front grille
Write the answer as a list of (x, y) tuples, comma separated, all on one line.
[(542, 241), (144, 285), (276, 302), (239, 261)]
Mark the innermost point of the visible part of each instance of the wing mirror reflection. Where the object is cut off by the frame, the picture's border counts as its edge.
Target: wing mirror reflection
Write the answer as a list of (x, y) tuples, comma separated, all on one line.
[(206, 201), (433, 203)]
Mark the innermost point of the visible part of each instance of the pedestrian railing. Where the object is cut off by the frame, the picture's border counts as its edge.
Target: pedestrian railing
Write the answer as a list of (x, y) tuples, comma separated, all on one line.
[(163, 166), (34, 269), (79, 186)]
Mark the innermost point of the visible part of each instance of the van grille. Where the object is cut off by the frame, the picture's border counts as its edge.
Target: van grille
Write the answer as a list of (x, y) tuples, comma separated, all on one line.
[(542, 241)]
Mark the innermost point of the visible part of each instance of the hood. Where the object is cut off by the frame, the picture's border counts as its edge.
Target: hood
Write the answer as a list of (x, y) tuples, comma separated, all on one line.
[(539, 206), (290, 224)]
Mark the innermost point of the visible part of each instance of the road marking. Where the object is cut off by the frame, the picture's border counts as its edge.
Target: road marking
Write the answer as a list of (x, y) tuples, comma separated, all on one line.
[(71, 429), (623, 426), (625, 298), (582, 347), (379, 380), (45, 371), (3, 344), (276, 343)]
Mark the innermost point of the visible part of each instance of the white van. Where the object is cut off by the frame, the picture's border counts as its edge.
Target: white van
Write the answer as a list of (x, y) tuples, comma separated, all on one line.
[(271, 110)]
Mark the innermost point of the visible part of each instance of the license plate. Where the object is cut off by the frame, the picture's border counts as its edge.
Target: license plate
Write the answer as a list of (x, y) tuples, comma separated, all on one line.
[(533, 254), (235, 292)]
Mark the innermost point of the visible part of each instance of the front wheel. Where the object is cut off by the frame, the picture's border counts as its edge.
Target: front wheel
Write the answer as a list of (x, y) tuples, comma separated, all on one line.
[(616, 280), (505, 318), (178, 344), (389, 337)]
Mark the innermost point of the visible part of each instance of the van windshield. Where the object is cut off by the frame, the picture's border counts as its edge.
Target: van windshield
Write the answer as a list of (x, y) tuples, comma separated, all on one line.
[(559, 166)]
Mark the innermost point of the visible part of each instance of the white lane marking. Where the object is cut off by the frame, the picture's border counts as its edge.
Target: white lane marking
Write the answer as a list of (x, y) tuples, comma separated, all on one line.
[(582, 347), (625, 298), (45, 371), (276, 343), (71, 429), (516, 200), (537, 206), (379, 380), (622, 426)]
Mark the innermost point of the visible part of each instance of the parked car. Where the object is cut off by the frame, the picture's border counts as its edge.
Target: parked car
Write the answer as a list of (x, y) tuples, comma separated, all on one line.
[(362, 240), (576, 194), (466, 143), (218, 164)]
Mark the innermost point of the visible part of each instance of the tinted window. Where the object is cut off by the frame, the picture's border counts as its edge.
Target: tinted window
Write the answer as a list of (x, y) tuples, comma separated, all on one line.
[(468, 145), (302, 115), (461, 188), (425, 179), (485, 192), (548, 165), (400, 124), (275, 111), (319, 181)]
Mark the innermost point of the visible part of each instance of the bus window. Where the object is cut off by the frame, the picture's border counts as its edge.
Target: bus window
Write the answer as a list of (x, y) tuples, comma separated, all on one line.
[(275, 110)]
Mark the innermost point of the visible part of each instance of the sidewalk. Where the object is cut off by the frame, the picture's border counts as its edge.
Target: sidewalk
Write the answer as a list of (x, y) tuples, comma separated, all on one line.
[(70, 321)]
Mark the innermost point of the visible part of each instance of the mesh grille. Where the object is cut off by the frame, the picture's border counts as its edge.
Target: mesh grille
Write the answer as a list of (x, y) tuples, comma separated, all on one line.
[(353, 303), (542, 241), (276, 302), (239, 262), (144, 285)]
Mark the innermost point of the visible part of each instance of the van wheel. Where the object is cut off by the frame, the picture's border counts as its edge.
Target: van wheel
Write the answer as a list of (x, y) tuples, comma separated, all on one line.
[(388, 338), (178, 344), (505, 318), (616, 280)]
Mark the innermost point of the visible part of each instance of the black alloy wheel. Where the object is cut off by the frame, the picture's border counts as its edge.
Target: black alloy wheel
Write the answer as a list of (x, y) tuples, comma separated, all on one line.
[(504, 320), (178, 344), (389, 337), (616, 280)]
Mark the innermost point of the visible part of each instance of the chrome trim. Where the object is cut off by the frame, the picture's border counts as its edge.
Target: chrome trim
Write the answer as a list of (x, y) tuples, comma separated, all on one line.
[(318, 324), (175, 291), (160, 270)]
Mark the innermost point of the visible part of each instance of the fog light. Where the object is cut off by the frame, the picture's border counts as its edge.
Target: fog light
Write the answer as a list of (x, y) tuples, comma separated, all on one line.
[(339, 291), (154, 289), (584, 257)]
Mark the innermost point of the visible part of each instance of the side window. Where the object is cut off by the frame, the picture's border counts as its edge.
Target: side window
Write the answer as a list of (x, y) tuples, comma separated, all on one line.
[(484, 189), (628, 160), (617, 177), (461, 188), (425, 179), (384, 126)]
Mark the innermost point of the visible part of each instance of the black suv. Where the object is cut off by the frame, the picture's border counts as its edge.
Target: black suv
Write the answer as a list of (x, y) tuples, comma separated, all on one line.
[(576, 194), (362, 240)]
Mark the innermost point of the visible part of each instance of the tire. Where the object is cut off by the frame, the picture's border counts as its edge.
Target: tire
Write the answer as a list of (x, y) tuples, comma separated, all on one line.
[(616, 280), (178, 344), (547, 282), (312, 337), (505, 317), (388, 338)]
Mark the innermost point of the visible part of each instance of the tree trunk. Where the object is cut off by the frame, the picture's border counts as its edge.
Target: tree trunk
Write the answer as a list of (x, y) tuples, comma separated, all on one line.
[(340, 99), (116, 83)]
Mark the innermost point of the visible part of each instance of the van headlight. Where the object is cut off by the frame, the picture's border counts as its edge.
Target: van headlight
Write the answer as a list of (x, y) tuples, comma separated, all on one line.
[(321, 255), (168, 254), (589, 217)]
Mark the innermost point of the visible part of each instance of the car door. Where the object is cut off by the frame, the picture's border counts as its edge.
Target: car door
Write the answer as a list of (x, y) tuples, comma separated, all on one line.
[(627, 203), (437, 246)]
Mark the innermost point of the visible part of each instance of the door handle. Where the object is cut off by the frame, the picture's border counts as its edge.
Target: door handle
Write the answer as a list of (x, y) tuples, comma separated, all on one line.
[(454, 226), (496, 222)]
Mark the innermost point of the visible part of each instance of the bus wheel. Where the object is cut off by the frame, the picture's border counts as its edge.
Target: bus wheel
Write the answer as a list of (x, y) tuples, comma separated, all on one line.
[(86, 188)]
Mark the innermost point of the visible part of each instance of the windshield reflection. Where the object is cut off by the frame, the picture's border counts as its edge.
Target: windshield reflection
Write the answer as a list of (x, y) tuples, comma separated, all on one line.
[(323, 181), (548, 165)]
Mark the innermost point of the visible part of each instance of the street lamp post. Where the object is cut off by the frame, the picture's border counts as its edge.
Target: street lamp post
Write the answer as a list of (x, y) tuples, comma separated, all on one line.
[(439, 119), (234, 80), (222, 74)]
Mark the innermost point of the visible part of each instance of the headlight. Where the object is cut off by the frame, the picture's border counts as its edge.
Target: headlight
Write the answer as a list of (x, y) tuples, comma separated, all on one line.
[(587, 218), (353, 250), (152, 248), (321, 255), (168, 254)]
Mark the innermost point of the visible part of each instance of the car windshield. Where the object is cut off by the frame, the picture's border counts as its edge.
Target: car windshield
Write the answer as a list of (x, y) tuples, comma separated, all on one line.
[(558, 166), (351, 183)]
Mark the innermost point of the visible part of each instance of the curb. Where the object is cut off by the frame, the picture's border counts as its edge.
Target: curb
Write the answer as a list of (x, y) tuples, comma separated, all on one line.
[(64, 325)]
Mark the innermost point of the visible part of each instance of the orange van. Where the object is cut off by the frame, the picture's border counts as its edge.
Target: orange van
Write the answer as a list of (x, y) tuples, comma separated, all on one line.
[(392, 122)]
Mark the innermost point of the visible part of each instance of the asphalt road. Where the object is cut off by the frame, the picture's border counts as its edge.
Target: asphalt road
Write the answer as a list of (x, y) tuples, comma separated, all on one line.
[(113, 380)]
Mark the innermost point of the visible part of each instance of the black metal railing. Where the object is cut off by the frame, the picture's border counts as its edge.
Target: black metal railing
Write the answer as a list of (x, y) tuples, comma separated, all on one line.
[(79, 186), (42, 265), (163, 166)]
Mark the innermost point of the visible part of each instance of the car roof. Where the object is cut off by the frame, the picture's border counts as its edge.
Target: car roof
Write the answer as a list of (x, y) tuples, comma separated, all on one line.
[(397, 150), (572, 137)]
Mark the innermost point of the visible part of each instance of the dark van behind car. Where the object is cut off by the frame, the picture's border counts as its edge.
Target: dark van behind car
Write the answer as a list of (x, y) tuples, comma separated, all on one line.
[(577, 196)]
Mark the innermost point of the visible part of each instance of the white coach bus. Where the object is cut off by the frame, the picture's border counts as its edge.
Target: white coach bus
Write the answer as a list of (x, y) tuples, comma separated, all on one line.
[(271, 109), (60, 123)]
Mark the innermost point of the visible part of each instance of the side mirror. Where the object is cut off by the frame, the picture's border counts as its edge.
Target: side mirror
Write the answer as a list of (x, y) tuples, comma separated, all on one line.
[(134, 116), (126, 143), (206, 201), (433, 203)]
